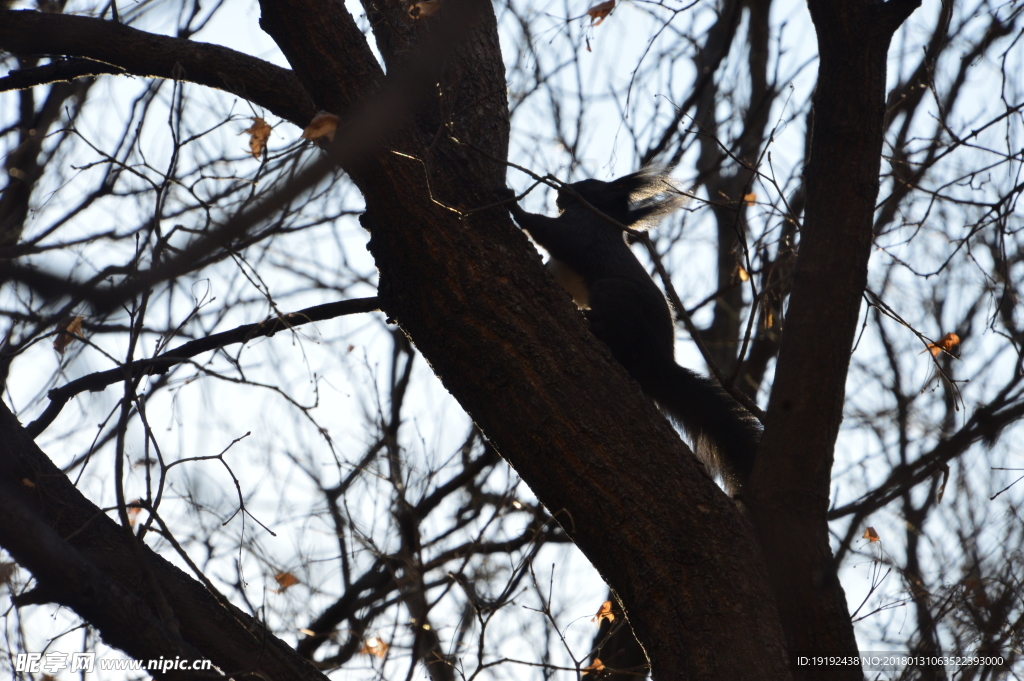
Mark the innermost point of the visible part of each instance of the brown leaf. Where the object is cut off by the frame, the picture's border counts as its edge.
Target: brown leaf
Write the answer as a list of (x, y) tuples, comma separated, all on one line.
[(259, 133), (323, 125), (67, 331), (285, 580), (25, 482), (742, 273), (870, 535), (424, 8), (133, 511), (947, 343), (750, 199), (604, 613), (374, 646), (597, 666), (598, 12)]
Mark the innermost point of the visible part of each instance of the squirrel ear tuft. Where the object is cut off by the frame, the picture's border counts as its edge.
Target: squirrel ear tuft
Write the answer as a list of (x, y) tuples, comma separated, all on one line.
[(655, 195)]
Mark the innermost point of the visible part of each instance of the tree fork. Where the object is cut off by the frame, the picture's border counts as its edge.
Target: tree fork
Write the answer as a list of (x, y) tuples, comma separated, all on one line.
[(470, 292)]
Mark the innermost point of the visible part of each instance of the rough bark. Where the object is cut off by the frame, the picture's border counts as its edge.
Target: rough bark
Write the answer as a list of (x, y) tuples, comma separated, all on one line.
[(790, 490)]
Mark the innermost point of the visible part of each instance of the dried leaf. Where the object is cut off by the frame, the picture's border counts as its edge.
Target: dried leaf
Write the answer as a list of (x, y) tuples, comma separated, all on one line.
[(259, 133), (946, 343), (133, 511), (285, 580), (604, 613), (307, 632), (67, 331), (750, 199), (374, 646), (742, 273), (597, 666), (598, 12), (323, 125), (25, 482), (870, 535), (424, 8)]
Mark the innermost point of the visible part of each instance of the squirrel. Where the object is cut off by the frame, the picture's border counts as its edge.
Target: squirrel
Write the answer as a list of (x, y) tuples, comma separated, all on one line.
[(627, 311)]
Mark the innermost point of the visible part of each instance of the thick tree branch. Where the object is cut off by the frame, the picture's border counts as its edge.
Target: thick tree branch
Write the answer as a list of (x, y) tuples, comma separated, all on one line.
[(65, 576), (155, 56), (220, 632)]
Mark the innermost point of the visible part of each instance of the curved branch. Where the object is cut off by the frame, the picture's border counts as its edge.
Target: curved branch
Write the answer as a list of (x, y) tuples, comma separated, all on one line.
[(985, 424), (159, 364), (66, 576), (148, 55)]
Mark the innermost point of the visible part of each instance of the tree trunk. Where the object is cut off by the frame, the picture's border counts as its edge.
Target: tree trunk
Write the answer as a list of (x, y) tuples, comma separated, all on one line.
[(790, 490)]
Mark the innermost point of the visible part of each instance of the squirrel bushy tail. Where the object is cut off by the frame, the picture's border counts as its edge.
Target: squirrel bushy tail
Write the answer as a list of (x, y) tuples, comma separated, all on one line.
[(724, 435)]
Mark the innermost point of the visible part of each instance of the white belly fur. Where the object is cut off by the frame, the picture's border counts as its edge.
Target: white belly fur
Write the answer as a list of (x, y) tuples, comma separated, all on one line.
[(571, 281)]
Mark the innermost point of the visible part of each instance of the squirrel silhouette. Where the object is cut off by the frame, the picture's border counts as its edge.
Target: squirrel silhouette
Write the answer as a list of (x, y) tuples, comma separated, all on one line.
[(627, 311)]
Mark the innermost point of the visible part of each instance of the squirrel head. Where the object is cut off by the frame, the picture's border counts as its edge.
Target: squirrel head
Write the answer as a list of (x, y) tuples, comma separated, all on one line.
[(636, 200)]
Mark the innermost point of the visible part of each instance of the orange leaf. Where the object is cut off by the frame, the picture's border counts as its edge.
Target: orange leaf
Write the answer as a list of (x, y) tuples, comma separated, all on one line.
[(870, 535), (323, 125), (285, 580), (259, 133), (374, 646), (424, 8), (597, 666), (133, 511), (604, 613), (947, 343), (750, 199), (67, 331), (742, 273), (598, 12)]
